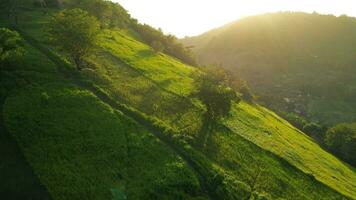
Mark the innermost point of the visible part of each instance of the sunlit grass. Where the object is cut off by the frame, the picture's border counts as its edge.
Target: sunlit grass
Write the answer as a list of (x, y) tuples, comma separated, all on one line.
[(131, 72)]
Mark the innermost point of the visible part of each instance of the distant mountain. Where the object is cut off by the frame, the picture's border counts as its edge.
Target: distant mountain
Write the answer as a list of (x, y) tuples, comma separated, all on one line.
[(295, 62)]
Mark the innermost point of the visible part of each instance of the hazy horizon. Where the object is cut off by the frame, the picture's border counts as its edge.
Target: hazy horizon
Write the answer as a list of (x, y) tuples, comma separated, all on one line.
[(189, 18)]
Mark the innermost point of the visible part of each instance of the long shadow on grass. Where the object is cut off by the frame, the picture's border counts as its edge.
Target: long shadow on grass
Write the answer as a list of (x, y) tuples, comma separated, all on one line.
[(17, 180), (163, 105), (204, 134), (145, 53)]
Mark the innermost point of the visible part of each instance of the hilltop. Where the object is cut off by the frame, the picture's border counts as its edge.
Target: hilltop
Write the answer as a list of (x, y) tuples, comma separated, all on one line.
[(295, 62), (126, 127)]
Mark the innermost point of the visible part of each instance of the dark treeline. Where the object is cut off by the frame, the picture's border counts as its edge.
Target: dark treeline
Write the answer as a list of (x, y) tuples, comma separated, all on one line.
[(110, 15)]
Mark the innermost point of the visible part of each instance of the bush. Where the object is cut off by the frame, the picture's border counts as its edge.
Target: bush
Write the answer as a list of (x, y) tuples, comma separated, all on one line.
[(315, 131), (341, 140), (157, 46), (11, 44), (246, 93), (295, 119)]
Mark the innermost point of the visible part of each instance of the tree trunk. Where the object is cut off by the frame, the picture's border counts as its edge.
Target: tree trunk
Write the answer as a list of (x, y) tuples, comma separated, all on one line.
[(78, 61)]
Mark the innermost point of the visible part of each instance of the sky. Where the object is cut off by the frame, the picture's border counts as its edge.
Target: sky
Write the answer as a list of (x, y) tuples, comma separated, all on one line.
[(193, 17)]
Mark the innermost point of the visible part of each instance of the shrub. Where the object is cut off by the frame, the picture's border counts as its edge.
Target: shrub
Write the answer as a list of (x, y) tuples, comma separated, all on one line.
[(315, 131), (246, 92), (341, 140), (11, 45), (157, 46)]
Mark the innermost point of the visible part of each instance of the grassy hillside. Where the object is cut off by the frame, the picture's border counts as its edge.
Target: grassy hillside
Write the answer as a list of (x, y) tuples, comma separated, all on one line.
[(77, 146), (80, 146), (307, 58)]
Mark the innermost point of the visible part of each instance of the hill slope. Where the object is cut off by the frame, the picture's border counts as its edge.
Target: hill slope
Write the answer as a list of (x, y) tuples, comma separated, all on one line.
[(295, 62), (67, 131)]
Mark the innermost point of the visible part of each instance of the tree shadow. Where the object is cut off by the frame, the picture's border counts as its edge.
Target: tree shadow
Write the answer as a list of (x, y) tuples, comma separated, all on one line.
[(145, 53), (204, 134)]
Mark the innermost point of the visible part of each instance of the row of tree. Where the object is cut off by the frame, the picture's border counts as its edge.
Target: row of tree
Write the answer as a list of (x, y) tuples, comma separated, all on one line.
[(110, 15), (166, 43), (113, 15)]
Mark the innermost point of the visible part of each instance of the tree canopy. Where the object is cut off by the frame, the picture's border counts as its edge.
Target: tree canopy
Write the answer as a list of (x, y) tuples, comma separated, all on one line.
[(341, 140), (213, 90), (74, 31)]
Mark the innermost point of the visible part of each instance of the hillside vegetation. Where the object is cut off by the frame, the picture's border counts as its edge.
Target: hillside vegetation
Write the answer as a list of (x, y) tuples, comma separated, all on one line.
[(126, 127), (295, 62)]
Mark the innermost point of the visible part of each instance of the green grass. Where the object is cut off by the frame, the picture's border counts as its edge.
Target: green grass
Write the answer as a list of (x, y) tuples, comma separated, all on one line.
[(166, 71), (267, 130), (130, 72), (77, 146), (130, 87), (242, 159), (21, 182), (270, 132), (80, 148)]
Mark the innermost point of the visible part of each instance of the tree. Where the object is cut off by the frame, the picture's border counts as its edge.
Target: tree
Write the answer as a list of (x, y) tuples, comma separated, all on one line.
[(101, 9), (157, 46), (10, 45), (74, 31), (212, 89), (246, 92), (341, 140), (240, 86), (314, 130)]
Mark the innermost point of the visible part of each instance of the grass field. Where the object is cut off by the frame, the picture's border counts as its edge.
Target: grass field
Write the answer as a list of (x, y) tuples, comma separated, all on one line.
[(80, 148), (276, 135), (78, 145), (269, 131)]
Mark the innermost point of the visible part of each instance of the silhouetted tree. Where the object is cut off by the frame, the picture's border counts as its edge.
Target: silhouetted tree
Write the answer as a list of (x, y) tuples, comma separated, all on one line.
[(74, 31), (212, 89), (246, 93), (315, 130), (157, 46)]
